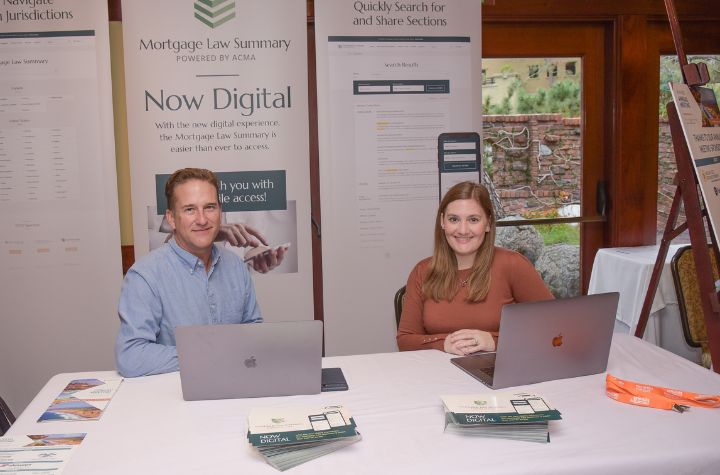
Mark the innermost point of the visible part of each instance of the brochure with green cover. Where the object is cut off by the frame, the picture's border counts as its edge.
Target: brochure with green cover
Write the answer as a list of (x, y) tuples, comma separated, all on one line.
[(287, 437), (520, 416)]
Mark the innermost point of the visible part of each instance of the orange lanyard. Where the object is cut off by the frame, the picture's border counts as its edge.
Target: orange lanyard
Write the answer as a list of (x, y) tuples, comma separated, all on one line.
[(645, 395)]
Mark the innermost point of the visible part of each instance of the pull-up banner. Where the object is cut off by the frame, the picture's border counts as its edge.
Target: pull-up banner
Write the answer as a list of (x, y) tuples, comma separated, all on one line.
[(60, 239), (222, 84), (392, 77), (699, 116)]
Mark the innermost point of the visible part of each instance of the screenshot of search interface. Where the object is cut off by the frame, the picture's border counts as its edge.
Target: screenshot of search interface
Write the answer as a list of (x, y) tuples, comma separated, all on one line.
[(390, 98)]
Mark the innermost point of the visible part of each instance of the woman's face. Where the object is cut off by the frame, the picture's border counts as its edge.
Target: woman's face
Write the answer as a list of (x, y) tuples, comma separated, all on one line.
[(465, 224)]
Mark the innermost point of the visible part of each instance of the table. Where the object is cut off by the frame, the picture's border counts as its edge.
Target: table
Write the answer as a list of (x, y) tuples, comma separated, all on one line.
[(394, 397), (628, 270)]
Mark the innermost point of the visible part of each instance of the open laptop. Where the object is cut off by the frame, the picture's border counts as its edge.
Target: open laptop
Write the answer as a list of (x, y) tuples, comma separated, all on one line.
[(551, 339), (249, 360)]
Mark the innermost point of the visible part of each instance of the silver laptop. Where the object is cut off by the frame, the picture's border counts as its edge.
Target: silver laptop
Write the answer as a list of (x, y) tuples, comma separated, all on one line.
[(249, 360), (543, 341)]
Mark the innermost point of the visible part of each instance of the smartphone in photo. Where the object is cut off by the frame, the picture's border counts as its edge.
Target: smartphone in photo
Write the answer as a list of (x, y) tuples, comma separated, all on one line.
[(538, 404), (335, 419), (522, 406), (458, 159), (319, 422)]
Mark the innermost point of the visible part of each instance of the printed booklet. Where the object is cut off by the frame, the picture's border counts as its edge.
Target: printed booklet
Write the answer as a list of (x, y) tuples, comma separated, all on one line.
[(287, 437), (41, 454), (81, 400), (518, 416)]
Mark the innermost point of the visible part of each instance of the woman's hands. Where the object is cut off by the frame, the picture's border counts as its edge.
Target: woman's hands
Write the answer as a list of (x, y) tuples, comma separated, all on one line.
[(466, 341)]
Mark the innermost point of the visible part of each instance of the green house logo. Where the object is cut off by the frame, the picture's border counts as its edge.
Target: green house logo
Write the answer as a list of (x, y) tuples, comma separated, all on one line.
[(214, 12)]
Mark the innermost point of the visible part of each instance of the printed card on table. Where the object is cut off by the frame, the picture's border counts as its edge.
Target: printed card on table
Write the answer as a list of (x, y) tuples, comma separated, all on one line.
[(82, 400), (39, 454)]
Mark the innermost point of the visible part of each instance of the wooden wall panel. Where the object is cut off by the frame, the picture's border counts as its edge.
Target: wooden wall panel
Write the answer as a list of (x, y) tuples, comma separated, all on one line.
[(634, 183), (636, 32)]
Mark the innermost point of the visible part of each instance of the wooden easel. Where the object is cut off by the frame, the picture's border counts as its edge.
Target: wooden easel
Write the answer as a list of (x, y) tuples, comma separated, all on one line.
[(696, 218)]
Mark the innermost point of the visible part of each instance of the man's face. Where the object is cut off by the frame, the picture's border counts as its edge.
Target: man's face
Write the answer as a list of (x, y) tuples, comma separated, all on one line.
[(195, 217)]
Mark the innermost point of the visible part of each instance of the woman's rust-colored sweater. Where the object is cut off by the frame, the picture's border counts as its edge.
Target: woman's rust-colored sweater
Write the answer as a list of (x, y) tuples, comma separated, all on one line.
[(425, 323)]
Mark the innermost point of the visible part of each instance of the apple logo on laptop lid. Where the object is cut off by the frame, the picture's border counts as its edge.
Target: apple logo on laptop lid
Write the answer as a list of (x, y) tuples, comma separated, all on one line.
[(557, 341), (250, 362)]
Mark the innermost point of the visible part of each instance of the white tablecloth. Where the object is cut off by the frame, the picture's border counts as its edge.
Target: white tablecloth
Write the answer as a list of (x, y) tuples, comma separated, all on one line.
[(394, 397), (628, 270)]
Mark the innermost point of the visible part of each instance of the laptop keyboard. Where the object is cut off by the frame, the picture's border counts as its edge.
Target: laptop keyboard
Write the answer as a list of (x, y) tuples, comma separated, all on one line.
[(489, 371), (480, 366)]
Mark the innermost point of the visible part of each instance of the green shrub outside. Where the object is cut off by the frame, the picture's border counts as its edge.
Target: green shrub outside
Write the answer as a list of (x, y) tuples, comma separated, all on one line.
[(561, 233)]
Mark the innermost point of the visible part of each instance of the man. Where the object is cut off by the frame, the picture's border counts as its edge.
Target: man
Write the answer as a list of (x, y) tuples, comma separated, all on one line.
[(188, 281)]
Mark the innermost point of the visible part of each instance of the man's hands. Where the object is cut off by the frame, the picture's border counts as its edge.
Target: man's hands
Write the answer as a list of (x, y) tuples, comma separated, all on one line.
[(241, 235), (466, 341), (268, 260)]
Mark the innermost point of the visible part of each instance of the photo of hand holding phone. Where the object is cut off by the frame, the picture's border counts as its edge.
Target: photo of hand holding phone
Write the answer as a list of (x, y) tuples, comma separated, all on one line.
[(263, 258)]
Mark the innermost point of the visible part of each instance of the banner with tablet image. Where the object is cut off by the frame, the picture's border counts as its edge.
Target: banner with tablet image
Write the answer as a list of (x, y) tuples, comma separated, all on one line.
[(222, 85)]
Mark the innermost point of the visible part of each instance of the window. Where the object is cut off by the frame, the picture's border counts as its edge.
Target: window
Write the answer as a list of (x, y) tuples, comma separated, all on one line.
[(532, 159), (552, 70), (555, 167), (570, 68)]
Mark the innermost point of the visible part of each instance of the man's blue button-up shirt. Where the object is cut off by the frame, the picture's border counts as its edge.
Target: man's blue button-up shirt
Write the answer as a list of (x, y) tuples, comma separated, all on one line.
[(170, 287)]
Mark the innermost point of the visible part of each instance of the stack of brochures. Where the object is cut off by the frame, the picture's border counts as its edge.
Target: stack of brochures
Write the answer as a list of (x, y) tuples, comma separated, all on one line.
[(287, 437), (517, 416)]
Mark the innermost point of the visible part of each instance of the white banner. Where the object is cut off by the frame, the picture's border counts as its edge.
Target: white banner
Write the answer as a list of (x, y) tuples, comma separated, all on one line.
[(392, 76), (60, 246), (222, 85), (700, 119)]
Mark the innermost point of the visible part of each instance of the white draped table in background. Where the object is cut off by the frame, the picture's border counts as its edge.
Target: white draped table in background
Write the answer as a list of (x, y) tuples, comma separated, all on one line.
[(395, 399), (628, 270)]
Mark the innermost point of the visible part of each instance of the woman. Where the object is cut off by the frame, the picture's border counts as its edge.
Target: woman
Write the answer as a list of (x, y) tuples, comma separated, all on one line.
[(453, 299)]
